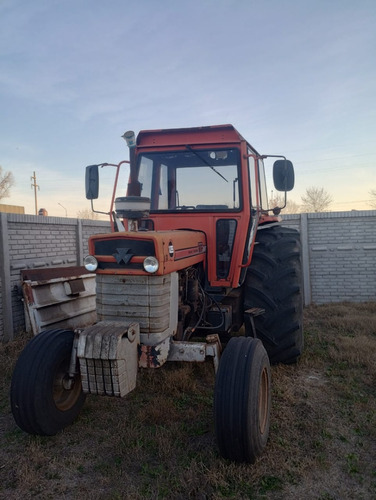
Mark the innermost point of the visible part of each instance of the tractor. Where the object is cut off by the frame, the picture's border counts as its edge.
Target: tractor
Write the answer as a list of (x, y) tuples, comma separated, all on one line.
[(196, 263)]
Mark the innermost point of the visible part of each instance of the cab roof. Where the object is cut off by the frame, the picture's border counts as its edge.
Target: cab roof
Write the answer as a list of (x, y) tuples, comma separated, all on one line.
[(215, 134)]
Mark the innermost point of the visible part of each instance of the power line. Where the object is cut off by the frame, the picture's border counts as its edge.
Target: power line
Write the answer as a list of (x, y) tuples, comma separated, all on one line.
[(35, 186)]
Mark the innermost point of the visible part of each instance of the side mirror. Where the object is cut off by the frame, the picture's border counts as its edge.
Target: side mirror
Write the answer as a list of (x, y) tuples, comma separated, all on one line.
[(92, 182), (283, 175)]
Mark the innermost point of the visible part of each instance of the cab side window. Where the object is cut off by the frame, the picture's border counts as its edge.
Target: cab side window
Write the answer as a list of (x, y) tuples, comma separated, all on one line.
[(263, 190), (252, 180)]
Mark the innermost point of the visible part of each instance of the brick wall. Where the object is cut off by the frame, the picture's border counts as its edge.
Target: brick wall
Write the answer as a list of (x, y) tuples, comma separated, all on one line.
[(338, 253), (32, 242), (88, 229)]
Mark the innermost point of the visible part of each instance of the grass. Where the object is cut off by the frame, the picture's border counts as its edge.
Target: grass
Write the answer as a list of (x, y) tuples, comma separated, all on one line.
[(158, 442)]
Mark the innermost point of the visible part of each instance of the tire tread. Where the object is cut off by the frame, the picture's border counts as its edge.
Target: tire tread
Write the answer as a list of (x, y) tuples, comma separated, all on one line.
[(273, 283)]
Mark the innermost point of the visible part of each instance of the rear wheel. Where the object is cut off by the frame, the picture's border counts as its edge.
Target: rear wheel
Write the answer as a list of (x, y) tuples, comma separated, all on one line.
[(273, 283), (242, 400), (44, 399)]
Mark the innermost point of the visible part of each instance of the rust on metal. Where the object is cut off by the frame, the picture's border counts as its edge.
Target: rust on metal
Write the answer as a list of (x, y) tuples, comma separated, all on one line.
[(51, 273), (74, 287), (28, 293), (58, 297), (148, 356)]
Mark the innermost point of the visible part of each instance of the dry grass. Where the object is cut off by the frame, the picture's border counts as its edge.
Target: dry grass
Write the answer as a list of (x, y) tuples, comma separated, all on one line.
[(159, 442)]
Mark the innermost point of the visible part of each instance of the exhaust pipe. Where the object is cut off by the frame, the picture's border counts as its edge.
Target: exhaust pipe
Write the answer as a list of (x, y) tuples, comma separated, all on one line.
[(134, 187)]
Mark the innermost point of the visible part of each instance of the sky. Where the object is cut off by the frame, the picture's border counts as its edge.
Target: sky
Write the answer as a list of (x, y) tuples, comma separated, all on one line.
[(295, 77)]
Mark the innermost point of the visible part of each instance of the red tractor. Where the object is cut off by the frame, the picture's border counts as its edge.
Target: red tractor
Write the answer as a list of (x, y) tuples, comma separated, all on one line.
[(194, 254)]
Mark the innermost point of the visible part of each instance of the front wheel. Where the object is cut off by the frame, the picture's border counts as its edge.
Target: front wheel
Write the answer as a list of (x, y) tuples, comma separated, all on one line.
[(242, 400), (44, 399)]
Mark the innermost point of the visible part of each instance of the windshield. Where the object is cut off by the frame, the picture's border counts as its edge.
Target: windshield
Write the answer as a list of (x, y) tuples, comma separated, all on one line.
[(194, 179)]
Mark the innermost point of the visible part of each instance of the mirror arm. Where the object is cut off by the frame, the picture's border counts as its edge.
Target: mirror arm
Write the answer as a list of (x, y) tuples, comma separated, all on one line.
[(263, 157), (97, 211), (277, 210)]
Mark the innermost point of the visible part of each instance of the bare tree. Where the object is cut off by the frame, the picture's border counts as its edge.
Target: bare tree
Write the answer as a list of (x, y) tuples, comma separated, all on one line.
[(316, 200), (373, 200), (87, 214), (6, 182), (278, 200)]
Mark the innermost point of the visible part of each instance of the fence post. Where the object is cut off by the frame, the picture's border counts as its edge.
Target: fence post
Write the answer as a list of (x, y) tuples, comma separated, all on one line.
[(6, 295), (305, 259), (79, 243)]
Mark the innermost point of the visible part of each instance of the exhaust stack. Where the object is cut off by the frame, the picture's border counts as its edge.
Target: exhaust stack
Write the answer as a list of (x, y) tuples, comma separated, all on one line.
[(134, 187)]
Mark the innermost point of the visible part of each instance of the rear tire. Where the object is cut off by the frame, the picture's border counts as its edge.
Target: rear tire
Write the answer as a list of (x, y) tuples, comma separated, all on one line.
[(42, 400), (242, 400), (273, 283)]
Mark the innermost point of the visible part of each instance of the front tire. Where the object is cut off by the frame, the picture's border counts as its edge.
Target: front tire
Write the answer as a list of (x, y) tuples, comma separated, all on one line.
[(273, 283), (242, 400), (43, 399)]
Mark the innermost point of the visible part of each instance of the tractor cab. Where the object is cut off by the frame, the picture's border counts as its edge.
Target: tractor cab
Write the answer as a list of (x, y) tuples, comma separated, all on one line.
[(206, 179)]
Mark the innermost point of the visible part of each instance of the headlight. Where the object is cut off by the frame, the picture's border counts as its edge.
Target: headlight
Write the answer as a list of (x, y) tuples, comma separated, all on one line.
[(90, 263), (151, 265)]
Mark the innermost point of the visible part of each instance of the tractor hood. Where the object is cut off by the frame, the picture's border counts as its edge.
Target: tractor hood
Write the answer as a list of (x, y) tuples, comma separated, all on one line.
[(169, 251)]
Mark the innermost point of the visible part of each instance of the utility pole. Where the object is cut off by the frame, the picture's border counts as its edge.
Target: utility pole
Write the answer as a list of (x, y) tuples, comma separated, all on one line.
[(35, 186)]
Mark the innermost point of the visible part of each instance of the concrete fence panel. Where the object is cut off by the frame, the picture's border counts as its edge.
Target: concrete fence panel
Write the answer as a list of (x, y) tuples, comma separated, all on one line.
[(33, 242), (339, 255)]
